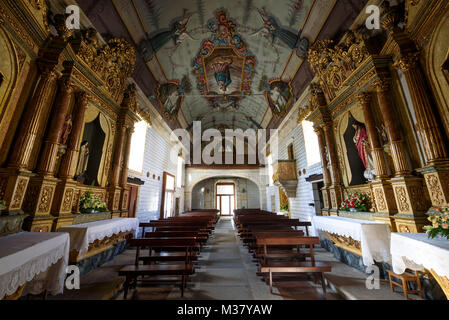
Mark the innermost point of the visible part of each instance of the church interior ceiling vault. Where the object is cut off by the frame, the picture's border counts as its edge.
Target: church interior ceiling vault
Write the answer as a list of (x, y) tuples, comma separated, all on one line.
[(228, 64)]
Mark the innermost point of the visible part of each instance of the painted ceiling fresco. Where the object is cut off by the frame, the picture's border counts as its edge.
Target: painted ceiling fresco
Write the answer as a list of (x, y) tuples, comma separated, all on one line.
[(226, 56), (228, 63)]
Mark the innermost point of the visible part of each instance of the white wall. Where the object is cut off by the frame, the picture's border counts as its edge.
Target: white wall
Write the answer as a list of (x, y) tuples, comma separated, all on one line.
[(299, 206), (156, 161)]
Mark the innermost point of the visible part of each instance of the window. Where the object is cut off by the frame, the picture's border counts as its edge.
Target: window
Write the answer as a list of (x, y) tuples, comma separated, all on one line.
[(270, 169), (137, 150), (291, 153), (179, 172), (311, 142)]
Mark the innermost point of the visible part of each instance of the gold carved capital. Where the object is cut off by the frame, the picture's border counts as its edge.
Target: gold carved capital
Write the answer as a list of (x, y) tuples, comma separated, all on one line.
[(382, 85), (364, 98), (407, 62)]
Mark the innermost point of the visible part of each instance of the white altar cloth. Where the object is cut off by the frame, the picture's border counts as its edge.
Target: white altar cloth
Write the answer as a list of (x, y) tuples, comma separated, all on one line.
[(39, 258), (374, 236), (81, 235), (416, 251)]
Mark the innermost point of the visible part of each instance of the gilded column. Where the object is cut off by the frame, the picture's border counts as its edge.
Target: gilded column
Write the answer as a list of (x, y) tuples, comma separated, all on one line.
[(326, 174), (114, 189), (382, 188), (410, 196), (324, 160), (388, 113), (51, 143), (436, 173), (376, 148), (121, 131), (336, 195), (434, 148), (30, 125), (124, 176), (68, 166), (67, 192)]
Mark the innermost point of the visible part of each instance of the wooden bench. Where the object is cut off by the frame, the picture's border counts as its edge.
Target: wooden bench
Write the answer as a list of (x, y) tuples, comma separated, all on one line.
[(270, 267), (183, 269)]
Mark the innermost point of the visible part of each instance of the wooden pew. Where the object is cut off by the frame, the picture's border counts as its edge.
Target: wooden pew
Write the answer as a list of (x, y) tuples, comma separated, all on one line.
[(201, 238), (183, 269), (270, 267)]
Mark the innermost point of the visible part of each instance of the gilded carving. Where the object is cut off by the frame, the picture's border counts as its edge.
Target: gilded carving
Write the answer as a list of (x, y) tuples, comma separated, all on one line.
[(401, 195), (334, 63), (45, 200), (67, 202), (380, 199), (347, 243), (436, 193), (19, 193), (333, 199), (113, 63)]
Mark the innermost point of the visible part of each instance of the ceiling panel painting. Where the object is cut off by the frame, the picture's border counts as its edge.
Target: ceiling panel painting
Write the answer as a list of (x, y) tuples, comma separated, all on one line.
[(234, 63)]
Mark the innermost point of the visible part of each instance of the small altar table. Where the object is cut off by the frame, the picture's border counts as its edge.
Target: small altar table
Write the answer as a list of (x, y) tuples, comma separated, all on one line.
[(35, 260), (94, 237), (416, 251), (369, 239)]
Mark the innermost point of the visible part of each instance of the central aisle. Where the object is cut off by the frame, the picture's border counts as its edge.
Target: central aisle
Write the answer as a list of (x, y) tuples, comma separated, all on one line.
[(226, 270)]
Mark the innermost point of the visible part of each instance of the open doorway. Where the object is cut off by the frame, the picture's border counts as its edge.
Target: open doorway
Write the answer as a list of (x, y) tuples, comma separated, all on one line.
[(168, 196), (225, 198)]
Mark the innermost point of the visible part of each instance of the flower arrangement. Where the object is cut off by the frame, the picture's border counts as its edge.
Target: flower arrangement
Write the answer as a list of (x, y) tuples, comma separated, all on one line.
[(91, 203), (356, 201), (440, 223)]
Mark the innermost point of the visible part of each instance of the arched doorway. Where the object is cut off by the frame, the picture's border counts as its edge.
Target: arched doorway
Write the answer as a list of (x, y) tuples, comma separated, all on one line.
[(225, 198)]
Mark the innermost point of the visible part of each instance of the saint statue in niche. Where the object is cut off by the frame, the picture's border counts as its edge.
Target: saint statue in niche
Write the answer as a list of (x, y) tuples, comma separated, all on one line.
[(66, 129), (358, 152), (361, 141), (83, 159), (220, 65)]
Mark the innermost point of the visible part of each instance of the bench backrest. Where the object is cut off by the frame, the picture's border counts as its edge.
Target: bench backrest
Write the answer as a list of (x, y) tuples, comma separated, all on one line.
[(170, 234), (275, 241), (163, 242)]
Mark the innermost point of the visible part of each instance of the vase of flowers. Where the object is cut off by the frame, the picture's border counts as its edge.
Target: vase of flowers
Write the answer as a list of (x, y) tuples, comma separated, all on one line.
[(89, 203), (355, 202), (440, 224)]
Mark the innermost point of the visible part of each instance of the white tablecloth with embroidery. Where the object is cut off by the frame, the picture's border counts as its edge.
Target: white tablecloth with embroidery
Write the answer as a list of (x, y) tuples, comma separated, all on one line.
[(38, 258), (374, 236), (81, 235), (416, 251)]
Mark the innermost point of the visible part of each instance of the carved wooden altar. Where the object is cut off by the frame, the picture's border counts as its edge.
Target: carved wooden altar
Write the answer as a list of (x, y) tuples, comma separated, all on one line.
[(359, 82), (53, 78)]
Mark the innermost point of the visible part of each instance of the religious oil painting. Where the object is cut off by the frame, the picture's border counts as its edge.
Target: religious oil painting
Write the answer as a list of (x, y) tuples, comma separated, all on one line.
[(170, 98), (279, 97)]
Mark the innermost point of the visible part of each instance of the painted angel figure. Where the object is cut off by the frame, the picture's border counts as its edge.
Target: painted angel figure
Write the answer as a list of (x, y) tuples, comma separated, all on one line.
[(273, 29), (222, 75), (268, 26), (180, 32)]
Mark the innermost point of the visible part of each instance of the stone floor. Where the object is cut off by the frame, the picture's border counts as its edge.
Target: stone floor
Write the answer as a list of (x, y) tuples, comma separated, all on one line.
[(226, 271)]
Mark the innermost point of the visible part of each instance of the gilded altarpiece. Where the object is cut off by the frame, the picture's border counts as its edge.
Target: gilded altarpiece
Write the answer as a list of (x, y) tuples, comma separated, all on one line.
[(363, 149), (53, 83)]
